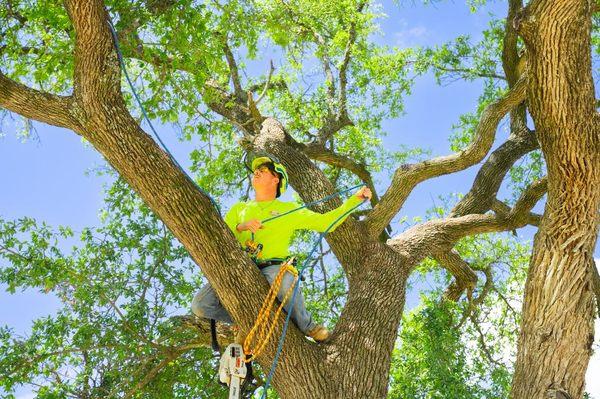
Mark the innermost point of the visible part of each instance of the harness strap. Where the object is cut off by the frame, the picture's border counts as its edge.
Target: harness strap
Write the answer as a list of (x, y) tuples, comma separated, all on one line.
[(213, 336)]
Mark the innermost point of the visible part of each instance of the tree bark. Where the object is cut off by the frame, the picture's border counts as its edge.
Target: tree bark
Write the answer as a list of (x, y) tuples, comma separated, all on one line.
[(355, 362), (557, 326)]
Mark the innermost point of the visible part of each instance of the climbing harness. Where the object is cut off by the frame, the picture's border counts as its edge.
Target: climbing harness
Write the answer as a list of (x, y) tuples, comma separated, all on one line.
[(253, 248)]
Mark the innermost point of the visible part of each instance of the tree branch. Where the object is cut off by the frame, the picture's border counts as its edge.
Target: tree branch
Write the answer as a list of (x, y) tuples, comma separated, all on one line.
[(489, 178), (37, 105), (320, 153), (232, 106), (233, 71), (465, 277), (438, 235), (407, 177), (152, 373), (474, 303), (470, 72), (514, 63), (529, 197), (267, 83), (228, 106), (510, 54), (310, 183), (335, 121), (12, 13), (503, 210), (596, 284)]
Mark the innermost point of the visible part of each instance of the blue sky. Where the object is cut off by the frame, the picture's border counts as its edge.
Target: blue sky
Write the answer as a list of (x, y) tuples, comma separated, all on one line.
[(47, 179)]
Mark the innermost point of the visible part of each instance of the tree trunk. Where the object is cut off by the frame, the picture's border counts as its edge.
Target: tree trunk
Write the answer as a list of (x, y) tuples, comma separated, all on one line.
[(557, 327), (355, 362)]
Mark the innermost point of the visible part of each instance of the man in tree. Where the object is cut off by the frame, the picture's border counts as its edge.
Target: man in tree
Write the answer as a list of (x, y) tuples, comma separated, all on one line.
[(269, 243)]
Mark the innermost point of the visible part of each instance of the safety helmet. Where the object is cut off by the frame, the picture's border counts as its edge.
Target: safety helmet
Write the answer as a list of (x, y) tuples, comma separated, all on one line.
[(277, 168)]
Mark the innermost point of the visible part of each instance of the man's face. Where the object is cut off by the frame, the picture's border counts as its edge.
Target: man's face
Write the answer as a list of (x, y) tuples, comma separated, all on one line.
[(264, 178)]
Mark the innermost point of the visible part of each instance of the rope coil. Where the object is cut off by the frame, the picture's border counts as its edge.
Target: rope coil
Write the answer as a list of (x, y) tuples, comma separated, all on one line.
[(265, 323)]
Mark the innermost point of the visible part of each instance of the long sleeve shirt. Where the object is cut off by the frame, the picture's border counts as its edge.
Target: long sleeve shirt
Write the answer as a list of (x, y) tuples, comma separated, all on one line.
[(276, 235)]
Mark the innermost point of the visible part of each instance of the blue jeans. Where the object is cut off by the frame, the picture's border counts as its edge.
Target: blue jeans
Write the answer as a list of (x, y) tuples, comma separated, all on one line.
[(206, 303)]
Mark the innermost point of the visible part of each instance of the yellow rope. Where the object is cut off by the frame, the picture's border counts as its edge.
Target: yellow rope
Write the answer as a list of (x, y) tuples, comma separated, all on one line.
[(265, 323)]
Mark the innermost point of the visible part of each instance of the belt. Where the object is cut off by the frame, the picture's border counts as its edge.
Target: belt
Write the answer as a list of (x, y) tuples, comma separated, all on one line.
[(270, 262)]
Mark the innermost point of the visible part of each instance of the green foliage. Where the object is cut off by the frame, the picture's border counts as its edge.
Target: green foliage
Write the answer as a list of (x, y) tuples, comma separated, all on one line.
[(464, 349), (120, 282), (431, 360), (118, 287)]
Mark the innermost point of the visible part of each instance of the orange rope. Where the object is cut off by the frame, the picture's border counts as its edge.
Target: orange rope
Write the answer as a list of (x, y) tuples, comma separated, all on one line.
[(265, 323)]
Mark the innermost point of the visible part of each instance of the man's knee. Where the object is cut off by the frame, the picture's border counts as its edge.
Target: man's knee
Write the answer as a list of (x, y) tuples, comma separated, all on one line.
[(200, 303), (197, 308)]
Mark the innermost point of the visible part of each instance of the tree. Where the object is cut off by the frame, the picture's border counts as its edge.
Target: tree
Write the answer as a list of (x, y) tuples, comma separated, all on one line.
[(79, 87), (558, 314)]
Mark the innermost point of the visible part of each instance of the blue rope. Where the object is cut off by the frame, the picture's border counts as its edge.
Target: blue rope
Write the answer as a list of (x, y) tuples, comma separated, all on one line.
[(293, 299), (122, 64), (313, 203), (309, 204), (321, 236)]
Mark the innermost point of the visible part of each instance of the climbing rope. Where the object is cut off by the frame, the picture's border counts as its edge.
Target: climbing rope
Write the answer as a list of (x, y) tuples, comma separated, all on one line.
[(326, 198), (260, 328), (145, 114), (293, 299), (337, 193), (265, 323)]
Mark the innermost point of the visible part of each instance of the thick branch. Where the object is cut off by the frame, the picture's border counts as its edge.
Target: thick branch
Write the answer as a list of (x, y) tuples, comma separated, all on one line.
[(513, 62), (320, 153), (439, 235), (33, 104), (185, 210), (333, 123), (503, 210), (408, 176), (228, 106), (489, 178), (465, 277), (510, 54)]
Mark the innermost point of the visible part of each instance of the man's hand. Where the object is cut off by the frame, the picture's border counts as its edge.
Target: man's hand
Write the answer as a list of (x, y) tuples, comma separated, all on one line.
[(252, 225), (364, 193)]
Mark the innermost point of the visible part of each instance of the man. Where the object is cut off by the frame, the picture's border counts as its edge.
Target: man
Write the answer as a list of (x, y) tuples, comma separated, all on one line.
[(273, 238)]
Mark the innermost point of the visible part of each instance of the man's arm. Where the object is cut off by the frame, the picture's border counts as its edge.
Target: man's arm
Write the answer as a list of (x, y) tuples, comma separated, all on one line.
[(231, 219), (305, 219)]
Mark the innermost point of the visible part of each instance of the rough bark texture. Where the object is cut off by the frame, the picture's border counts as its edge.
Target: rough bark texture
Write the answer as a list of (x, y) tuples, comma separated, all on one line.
[(557, 326), (355, 362)]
